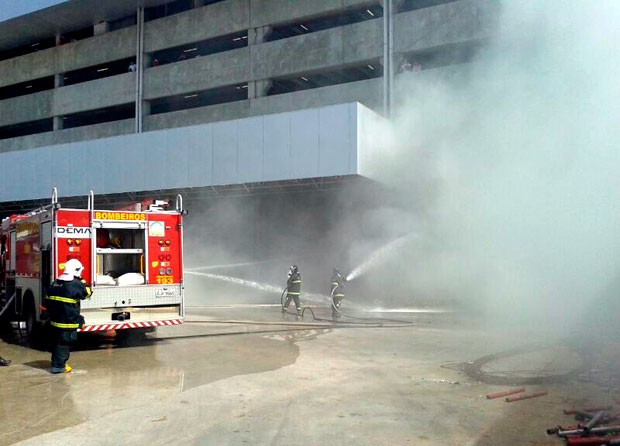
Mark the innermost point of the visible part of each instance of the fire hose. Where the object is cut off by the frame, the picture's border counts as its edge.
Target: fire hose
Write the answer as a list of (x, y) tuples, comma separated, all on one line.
[(378, 322), (594, 430)]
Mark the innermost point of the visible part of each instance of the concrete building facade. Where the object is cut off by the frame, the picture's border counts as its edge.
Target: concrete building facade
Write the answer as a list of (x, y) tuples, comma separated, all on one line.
[(127, 73)]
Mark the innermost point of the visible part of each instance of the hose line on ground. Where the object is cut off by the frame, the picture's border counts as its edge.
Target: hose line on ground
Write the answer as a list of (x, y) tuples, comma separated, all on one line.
[(378, 322)]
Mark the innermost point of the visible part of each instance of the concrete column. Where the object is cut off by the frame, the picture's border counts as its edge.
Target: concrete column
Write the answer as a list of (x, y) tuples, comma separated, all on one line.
[(147, 60), (256, 36), (59, 80), (398, 5), (101, 28), (58, 123), (146, 108), (257, 89), (140, 61), (388, 57)]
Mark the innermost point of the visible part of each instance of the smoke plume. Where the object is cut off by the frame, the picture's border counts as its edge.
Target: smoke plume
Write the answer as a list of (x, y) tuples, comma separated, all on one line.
[(508, 168)]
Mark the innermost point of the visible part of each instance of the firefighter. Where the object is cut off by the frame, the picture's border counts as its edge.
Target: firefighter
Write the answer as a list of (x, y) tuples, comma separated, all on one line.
[(63, 307), (337, 292), (293, 289)]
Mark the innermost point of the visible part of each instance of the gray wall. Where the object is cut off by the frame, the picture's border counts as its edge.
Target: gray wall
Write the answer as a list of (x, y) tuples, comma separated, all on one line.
[(459, 21), (71, 56), (310, 143), (319, 50), (267, 12), (195, 25), (367, 92), (109, 91), (26, 108), (200, 73), (69, 135), (445, 24)]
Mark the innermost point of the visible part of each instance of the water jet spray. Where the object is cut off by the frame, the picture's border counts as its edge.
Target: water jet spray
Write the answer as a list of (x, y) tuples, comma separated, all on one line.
[(379, 255), (236, 280)]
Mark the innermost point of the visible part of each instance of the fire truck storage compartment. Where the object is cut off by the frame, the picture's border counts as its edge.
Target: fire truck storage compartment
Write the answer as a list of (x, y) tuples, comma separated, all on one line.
[(120, 255)]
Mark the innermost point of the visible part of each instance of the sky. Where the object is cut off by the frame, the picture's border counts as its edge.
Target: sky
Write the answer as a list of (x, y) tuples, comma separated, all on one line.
[(14, 8)]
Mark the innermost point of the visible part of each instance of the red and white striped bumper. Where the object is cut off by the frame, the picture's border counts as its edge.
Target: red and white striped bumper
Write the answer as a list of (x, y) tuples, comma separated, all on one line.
[(125, 325)]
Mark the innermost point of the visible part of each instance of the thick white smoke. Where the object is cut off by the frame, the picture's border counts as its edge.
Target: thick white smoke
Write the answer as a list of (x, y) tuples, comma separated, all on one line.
[(511, 170)]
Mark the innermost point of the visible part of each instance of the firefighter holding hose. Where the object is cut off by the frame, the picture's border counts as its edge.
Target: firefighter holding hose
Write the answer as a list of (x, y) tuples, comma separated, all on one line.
[(63, 307), (293, 289), (337, 292)]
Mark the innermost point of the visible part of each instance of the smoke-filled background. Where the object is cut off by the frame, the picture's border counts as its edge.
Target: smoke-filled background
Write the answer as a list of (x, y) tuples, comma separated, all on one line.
[(497, 188), (511, 170)]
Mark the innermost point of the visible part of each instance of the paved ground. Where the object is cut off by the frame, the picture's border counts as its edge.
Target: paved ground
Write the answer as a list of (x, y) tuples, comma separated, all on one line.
[(266, 383)]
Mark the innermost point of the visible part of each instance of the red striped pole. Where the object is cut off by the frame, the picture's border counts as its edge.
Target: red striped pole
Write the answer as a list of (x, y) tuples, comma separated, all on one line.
[(491, 396), (526, 396)]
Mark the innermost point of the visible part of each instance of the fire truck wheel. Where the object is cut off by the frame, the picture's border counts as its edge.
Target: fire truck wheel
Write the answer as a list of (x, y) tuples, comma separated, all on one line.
[(132, 337), (33, 329)]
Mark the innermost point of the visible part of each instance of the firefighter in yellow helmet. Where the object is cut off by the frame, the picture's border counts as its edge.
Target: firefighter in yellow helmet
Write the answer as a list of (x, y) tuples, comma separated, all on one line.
[(337, 292), (63, 307), (293, 289)]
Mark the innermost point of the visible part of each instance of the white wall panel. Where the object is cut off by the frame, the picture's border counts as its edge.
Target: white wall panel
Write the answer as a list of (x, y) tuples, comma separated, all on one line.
[(317, 142), (12, 187), (200, 155), (135, 168), (97, 155), (276, 146), (305, 144), (40, 172), (66, 173), (225, 153), (333, 137), (155, 149), (250, 150), (176, 163)]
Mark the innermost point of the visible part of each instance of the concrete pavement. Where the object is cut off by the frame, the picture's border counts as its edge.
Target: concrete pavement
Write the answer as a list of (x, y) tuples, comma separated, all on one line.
[(233, 384)]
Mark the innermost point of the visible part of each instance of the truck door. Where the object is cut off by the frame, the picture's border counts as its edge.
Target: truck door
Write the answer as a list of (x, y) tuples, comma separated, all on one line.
[(120, 253)]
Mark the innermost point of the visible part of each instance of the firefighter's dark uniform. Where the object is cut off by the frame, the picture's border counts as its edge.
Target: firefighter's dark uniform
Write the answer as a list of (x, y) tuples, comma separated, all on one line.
[(337, 292), (63, 308), (293, 291)]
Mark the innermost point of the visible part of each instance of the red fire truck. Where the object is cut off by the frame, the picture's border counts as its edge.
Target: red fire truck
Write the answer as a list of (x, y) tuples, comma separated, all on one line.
[(133, 259)]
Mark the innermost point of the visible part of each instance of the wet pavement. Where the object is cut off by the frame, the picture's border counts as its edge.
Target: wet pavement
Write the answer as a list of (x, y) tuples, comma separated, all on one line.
[(250, 375)]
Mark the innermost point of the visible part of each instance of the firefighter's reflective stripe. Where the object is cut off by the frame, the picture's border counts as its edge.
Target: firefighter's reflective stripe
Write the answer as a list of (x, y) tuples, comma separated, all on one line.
[(296, 281), (67, 300), (338, 295), (88, 290), (335, 283), (292, 294), (60, 325)]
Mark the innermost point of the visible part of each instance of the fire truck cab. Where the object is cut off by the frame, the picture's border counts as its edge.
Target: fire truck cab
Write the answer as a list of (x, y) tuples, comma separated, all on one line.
[(133, 260)]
